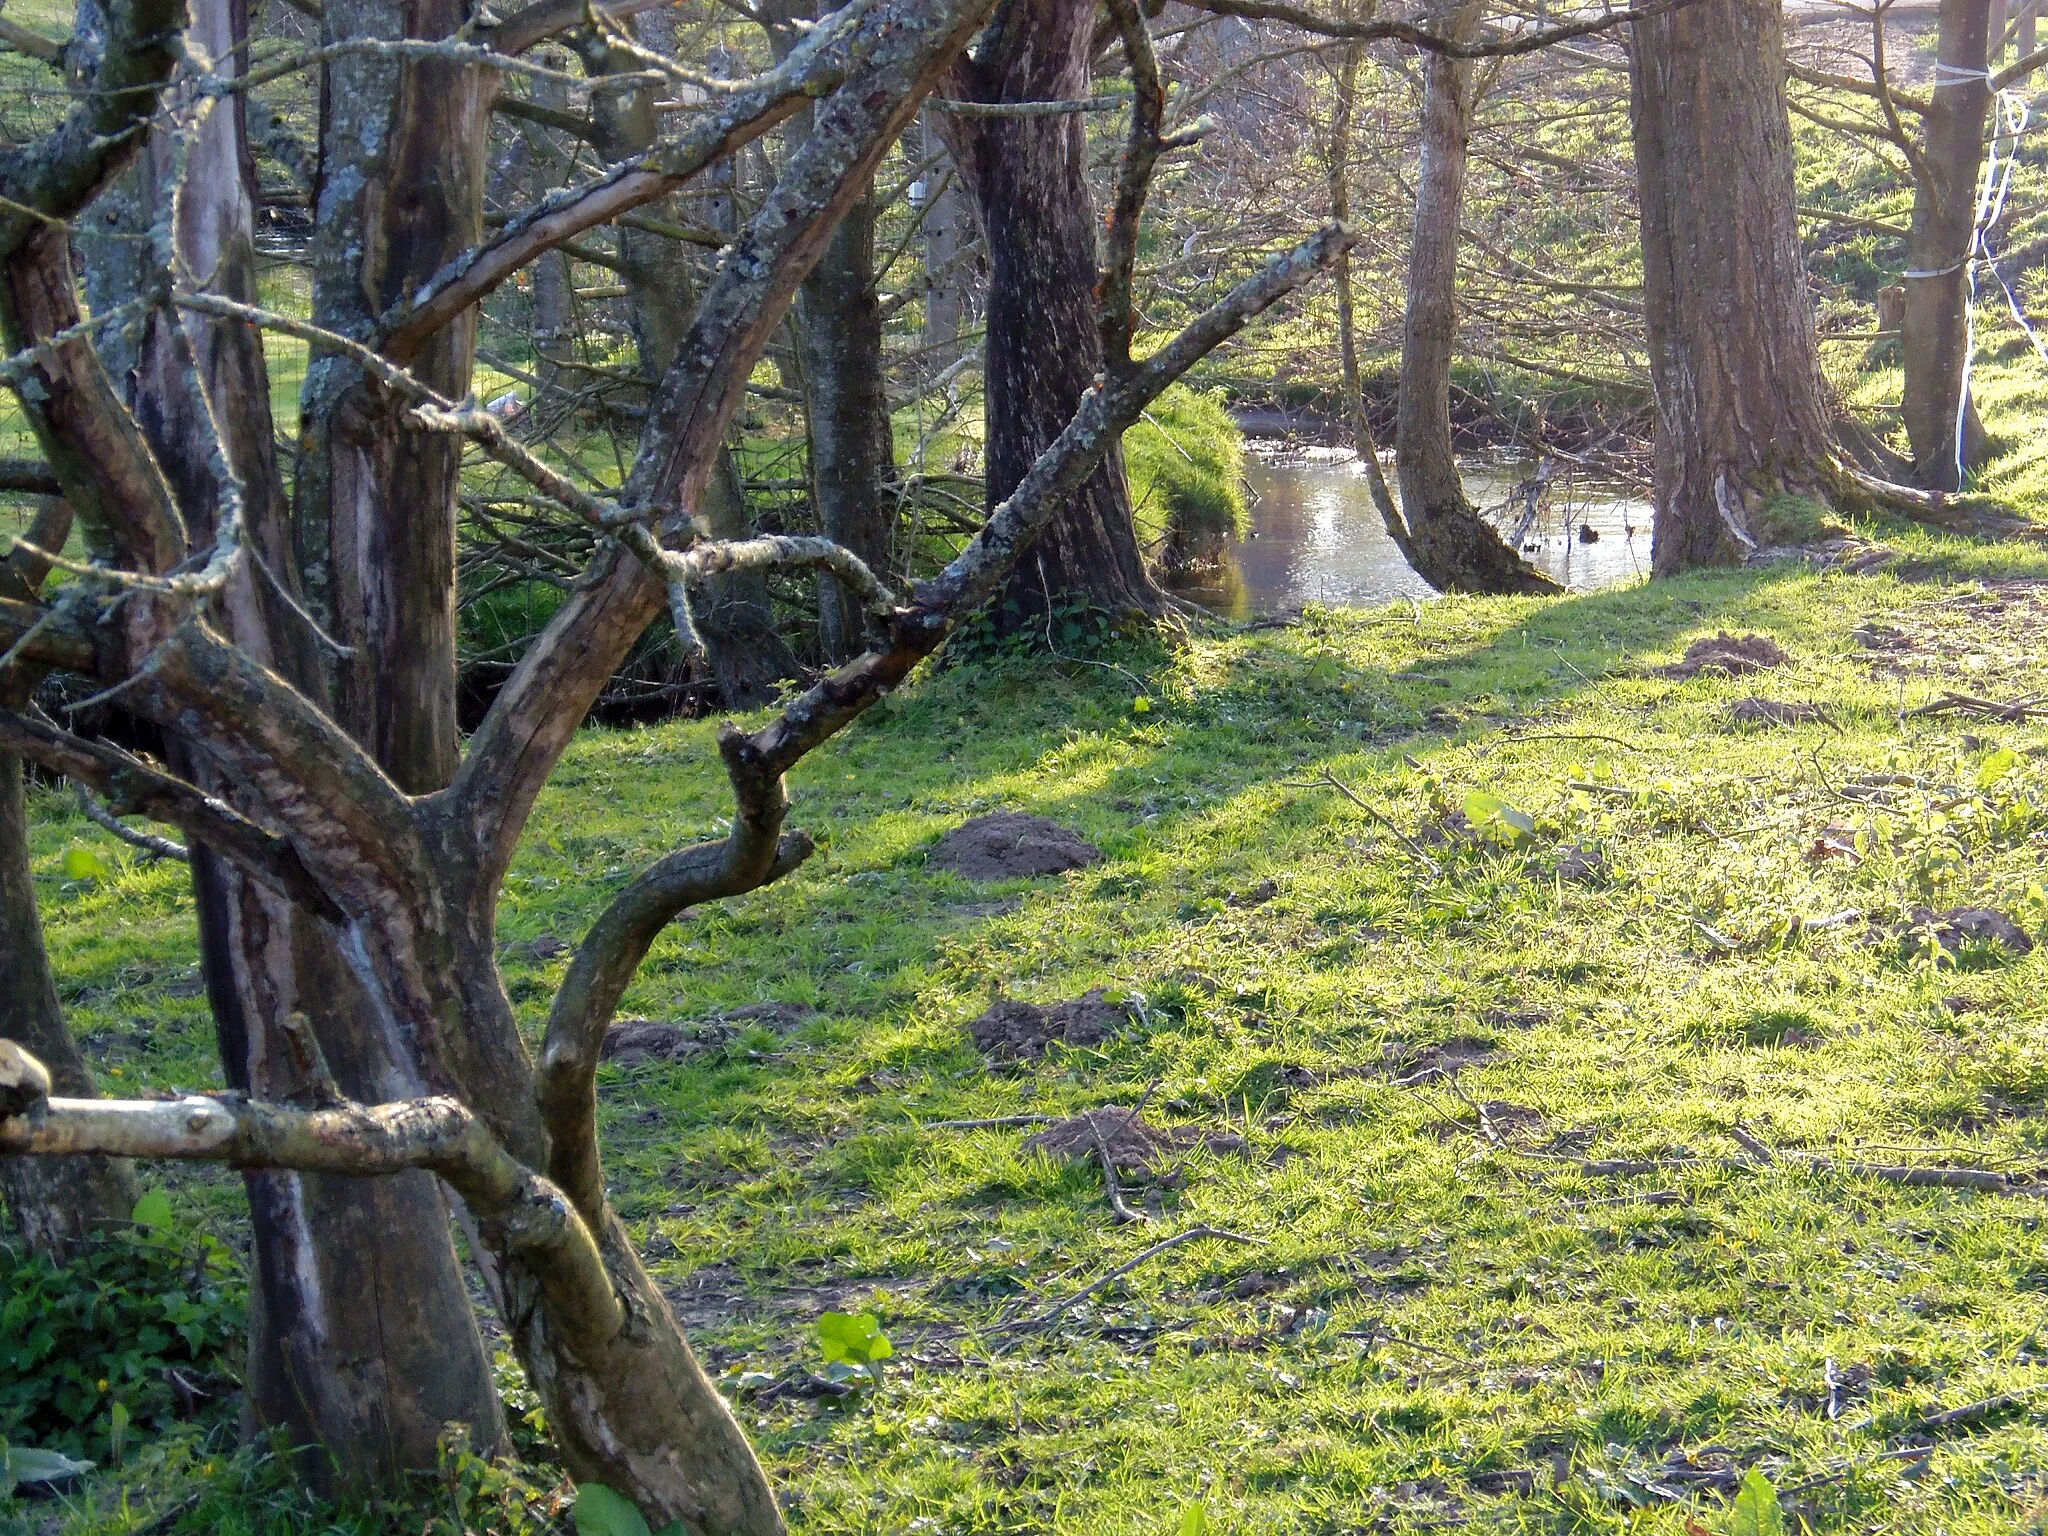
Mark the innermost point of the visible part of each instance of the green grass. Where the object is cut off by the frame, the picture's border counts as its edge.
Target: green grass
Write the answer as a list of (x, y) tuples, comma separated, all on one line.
[(1444, 1320), (1185, 459)]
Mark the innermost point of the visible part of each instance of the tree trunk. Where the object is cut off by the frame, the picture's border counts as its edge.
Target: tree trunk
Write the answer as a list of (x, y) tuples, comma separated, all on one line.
[(1029, 176), (1941, 424), (748, 658), (838, 324), (1450, 545), (1337, 173), (839, 327), (948, 232), (1733, 359), (58, 1203), (363, 1341), (554, 320)]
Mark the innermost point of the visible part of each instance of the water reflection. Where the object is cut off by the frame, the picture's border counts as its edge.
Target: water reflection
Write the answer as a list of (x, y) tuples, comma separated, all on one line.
[(1316, 537)]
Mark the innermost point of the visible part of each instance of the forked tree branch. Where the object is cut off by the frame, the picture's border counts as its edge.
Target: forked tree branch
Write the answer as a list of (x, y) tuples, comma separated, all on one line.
[(817, 66), (537, 711), (755, 853), (1109, 407)]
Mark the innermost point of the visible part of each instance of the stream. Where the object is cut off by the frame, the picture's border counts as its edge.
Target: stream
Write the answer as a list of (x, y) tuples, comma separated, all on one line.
[(1317, 538)]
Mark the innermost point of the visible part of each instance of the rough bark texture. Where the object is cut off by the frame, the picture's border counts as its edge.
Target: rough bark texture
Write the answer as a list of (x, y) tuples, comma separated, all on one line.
[(1733, 357), (363, 1341), (1029, 179), (401, 193), (1450, 545), (1935, 341)]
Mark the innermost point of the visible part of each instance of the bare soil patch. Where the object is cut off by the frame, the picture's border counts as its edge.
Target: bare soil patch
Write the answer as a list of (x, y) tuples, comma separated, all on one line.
[(631, 1042), (1014, 1030), (1011, 846), (1134, 1144), (1731, 655), (1772, 712), (1962, 926)]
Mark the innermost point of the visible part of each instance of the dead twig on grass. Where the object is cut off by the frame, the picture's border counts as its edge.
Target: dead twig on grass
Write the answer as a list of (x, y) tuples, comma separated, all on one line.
[(1329, 780), (1060, 1308), (1110, 1184), (1971, 1413), (1953, 703), (1983, 1180)]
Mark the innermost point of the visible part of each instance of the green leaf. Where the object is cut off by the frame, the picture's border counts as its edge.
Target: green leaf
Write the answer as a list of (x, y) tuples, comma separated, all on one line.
[(601, 1512), (1756, 1508), (853, 1339), (1195, 1521), (28, 1466), (7, 1478), (82, 863), (1494, 818), (1996, 767), (1141, 705), (153, 1210)]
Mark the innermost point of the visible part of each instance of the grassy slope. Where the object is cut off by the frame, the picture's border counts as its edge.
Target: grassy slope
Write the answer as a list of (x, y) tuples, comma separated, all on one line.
[(1541, 1319), (1458, 1308)]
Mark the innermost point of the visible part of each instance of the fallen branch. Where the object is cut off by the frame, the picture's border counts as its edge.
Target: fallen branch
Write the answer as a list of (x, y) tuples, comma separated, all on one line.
[(1970, 1413), (1330, 781), (1953, 703), (1109, 1179), (1984, 1180), (1059, 1308)]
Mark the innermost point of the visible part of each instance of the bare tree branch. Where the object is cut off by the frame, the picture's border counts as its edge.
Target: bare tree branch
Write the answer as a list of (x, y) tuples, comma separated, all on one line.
[(1116, 316), (1112, 405), (134, 785), (521, 1212), (96, 812), (755, 853), (817, 66), (1382, 30), (534, 715)]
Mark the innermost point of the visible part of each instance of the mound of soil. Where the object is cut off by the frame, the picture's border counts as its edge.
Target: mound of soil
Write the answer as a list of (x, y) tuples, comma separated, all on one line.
[(631, 1042), (1014, 1030), (1734, 655), (1583, 865), (1135, 1145), (1773, 712), (1961, 926), (1010, 846)]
